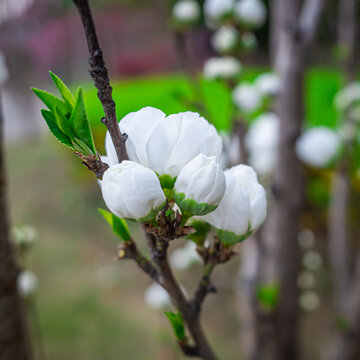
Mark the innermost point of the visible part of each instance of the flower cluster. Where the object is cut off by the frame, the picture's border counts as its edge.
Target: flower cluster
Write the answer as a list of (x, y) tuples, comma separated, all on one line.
[(175, 160)]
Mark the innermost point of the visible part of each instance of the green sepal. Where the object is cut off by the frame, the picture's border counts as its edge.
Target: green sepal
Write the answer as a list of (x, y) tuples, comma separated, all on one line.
[(151, 216), (189, 207), (268, 295), (167, 184), (54, 128), (202, 229), (177, 323), (52, 102), (229, 238), (64, 90), (119, 226), (80, 123), (81, 147)]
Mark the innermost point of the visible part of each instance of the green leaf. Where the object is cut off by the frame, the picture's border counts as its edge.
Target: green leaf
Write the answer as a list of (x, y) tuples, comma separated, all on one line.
[(202, 229), (229, 238), (189, 207), (268, 295), (64, 124), (342, 323), (150, 218), (64, 91), (80, 123), (52, 102), (55, 130), (177, 323), (81, 146), (119, 226)]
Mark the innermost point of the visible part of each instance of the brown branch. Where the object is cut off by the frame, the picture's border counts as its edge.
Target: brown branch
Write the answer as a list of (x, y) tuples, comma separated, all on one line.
[(93, 163), (99, 73)]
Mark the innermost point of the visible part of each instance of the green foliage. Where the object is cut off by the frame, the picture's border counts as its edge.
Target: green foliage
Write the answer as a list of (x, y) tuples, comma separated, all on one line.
[(229, 238), (177, 323), (151, 217), (66, 118), (189, 207), (342, 323), (202, 229), (119, 226), (268, 295)]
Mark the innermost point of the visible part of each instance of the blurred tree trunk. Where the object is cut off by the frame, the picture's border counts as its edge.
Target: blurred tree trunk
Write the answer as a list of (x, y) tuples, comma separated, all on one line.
[(273, 260), (14, 336)]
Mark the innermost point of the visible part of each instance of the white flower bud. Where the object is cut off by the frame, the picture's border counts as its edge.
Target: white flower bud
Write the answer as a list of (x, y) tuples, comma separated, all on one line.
[(27, 283), (348, 96), (225, 39), (216, 9), (166, 144), (226, 67), (4, 72), (243, 206), (262, 141), (247, 97), (269, 84), (318, 146), (157, 297), (131, 190), (185, 257), (248, 41), (186, 11), (251, 13), (200, 186)]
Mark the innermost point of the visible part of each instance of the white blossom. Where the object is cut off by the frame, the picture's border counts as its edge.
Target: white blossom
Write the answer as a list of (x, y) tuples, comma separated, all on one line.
[(262, 141), (243, 205), (318, 146), (249, 41), (216, 9), (247, 97), (201, 180), (225, 39), (306, 280), (24, 236), (157, 297), (309, 300), (131, 190), (226, 67), (11, 9), (269, 84), (186, 11), (27, 283), (231, 150), (312, 260), (166, 144), (185, 257), (348, 96), (4, 72), (251, 13)]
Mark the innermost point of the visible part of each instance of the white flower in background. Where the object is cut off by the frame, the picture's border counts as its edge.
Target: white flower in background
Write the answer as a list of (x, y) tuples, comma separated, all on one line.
[(24, 236), (318, 146), (269, 84), (226, 67), (201, 180), (306, 280), (243, 206), (156, 297), (166, 144), (348, 96), (27, 283), (262, 141), (309, 300), (231, 151), (186, 11), (247, 97), (248, 41), (131, 190), (225, 39), (306, 239), (11, 9), (185, 257), (4, 72), (312, 260), (251, 13), (216, 9)]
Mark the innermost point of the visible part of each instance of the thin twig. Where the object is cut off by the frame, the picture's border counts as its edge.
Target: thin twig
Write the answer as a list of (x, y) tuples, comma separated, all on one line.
[(99, 73)]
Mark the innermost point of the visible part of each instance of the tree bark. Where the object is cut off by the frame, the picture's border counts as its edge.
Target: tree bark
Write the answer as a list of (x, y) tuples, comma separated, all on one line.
[(14, 335)]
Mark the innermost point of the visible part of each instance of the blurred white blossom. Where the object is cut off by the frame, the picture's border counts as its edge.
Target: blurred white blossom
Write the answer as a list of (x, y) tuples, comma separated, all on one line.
[(166, 144), (312, 260), (262, 142), (216, 9), (248, 41), (318, 146), (186, 11), (4, 72), (306, 280), (27, 283), (347, 96), (247, 97), (268, 84), (131, 190), (185, 257), (306, 239), (231, 150), (251, 13), (243, 206), (156, 297), (10, 9), (24, 236), (309, 300), (225, 39), (226, 67)]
